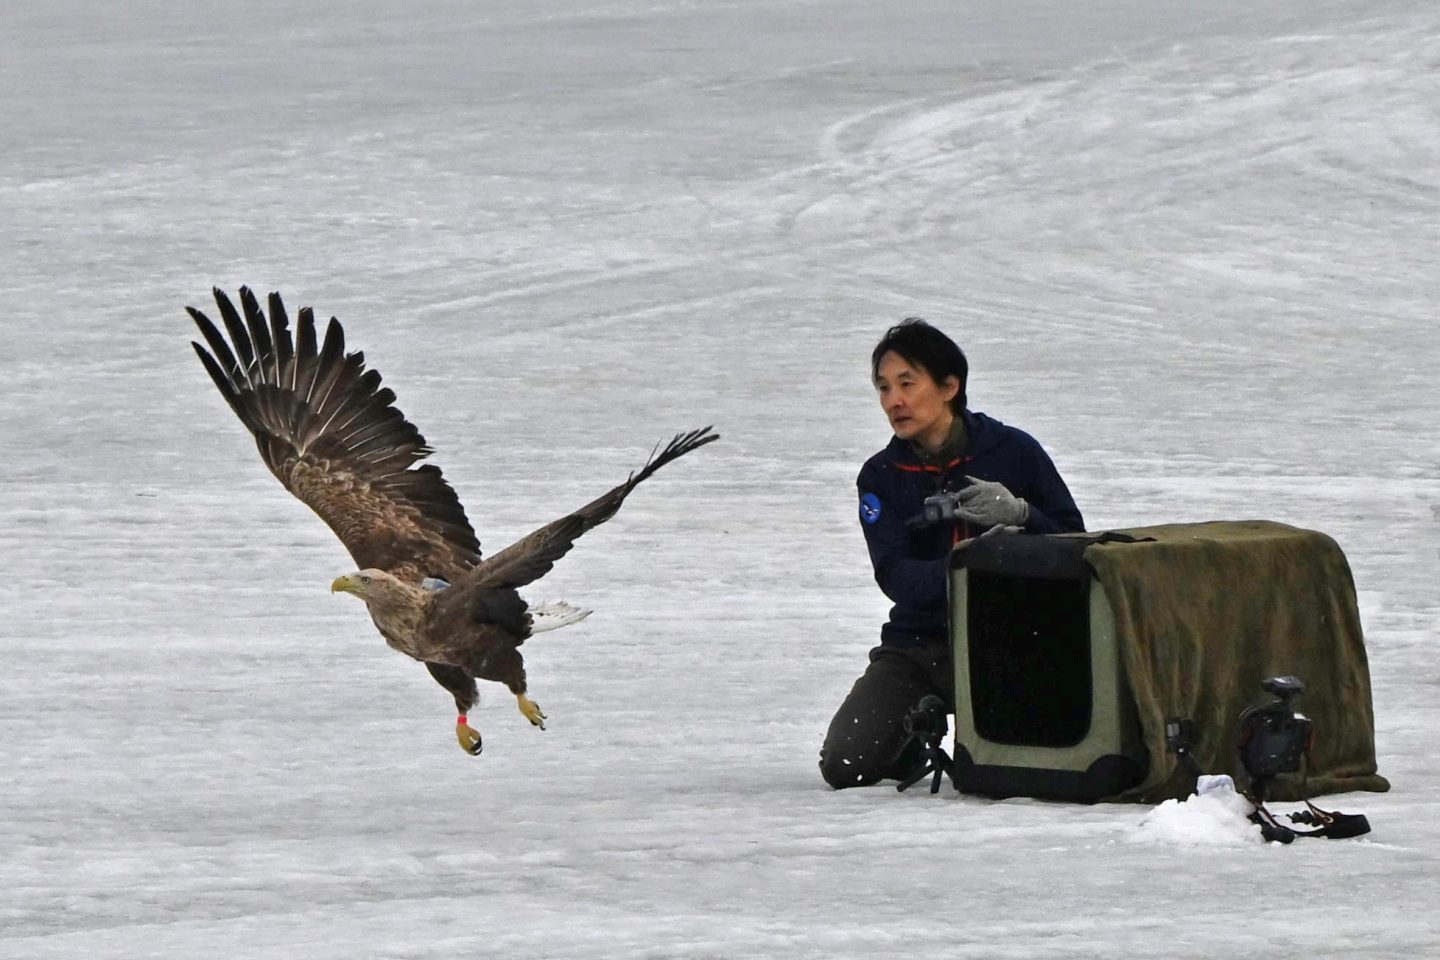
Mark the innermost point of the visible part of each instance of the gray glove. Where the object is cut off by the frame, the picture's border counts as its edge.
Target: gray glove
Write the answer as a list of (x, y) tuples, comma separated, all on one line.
[(986, 503)]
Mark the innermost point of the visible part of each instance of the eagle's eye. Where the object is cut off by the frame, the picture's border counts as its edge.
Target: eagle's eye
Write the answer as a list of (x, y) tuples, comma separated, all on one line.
[(364, 579)]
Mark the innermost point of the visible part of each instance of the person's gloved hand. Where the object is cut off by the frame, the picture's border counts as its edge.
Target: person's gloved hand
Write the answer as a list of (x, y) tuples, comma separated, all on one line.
[(986, 503), (1001, 530)]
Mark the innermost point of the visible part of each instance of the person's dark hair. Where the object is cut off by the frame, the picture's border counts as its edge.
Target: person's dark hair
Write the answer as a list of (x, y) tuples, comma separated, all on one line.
[(923, 346)]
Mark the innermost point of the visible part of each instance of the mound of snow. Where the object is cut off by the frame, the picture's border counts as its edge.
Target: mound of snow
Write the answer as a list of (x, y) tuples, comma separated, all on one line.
[(1216, 816)]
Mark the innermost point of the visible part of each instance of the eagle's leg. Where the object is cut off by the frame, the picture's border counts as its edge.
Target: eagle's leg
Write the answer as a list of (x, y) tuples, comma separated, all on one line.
[(530, 709), (467, 735), (462, 686), (508, 667)]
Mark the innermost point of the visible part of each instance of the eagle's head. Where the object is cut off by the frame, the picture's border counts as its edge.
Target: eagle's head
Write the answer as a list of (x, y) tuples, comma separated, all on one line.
[(369, 585)]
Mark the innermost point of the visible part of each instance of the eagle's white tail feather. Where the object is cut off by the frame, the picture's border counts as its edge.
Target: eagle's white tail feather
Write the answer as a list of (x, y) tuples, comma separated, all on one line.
[(554, 614)]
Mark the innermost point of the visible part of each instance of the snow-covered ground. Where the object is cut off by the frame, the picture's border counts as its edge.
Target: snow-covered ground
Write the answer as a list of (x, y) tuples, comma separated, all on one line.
[(1191, 247)]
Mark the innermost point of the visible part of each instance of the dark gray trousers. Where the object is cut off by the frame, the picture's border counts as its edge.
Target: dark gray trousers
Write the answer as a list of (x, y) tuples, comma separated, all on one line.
[(866, 735)]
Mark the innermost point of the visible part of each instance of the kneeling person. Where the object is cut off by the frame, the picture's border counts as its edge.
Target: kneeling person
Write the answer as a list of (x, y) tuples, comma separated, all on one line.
[(1000, 477)]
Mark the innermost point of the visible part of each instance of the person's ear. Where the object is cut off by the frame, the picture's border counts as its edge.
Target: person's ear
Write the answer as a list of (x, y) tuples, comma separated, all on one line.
[(950, 388)]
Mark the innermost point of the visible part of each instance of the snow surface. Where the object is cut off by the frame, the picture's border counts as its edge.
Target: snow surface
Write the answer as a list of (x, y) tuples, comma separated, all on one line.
[(1191, 247)]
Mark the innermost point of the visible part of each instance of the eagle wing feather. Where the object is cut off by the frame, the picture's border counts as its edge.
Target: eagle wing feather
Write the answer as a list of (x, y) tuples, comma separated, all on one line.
[(532, 556), (331, 434)]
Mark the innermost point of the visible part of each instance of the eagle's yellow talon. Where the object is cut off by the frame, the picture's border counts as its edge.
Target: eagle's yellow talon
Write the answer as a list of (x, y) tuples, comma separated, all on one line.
[(531, 710), (469, 738)]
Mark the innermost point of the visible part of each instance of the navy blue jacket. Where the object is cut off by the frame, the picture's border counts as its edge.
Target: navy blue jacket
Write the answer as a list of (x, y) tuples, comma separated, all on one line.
[(910, 565)]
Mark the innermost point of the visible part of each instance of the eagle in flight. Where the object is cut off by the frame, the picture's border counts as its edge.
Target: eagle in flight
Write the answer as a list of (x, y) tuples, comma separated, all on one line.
[(333, 437)]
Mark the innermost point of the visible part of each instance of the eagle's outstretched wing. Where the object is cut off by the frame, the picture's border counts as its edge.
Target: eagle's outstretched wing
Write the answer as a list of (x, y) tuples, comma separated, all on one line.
[(532, 556), (328, 430)]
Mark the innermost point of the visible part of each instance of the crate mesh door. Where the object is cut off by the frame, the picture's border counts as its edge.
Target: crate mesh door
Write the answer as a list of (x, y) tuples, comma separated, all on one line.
[(1029, 652), (1041, 707)]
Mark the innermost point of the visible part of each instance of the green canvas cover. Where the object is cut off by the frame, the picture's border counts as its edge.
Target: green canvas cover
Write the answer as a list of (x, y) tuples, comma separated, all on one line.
[(1204, 612)]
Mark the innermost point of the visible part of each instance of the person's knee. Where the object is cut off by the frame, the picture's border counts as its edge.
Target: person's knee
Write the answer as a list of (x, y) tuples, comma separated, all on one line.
[(841, 771), (857, 763)]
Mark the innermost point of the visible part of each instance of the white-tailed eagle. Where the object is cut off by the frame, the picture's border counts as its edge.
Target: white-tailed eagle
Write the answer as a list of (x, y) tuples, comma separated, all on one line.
[(332, 435)]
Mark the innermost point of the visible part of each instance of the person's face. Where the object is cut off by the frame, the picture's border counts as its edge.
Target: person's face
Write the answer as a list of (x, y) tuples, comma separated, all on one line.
[(917, 407)]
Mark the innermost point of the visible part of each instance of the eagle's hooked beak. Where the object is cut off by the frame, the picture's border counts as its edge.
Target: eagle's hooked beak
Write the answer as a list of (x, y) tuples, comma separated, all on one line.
[(345, 584)]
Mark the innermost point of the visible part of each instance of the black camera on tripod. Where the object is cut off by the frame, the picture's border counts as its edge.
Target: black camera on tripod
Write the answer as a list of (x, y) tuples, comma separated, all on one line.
[(928, 719), (1274, 738), (926, 725)]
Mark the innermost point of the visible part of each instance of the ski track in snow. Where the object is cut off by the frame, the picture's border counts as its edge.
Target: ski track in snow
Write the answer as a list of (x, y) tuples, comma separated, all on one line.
[(1191, 251)]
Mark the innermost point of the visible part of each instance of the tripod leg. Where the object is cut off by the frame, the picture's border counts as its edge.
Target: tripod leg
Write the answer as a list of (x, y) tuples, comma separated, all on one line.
[(914, 778)]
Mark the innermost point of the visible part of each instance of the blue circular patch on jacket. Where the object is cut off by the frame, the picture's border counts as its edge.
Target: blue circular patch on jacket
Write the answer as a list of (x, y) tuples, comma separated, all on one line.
[(869, 508)]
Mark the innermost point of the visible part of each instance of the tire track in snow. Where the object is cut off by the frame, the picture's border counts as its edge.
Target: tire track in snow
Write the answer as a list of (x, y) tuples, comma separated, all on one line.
[(1125, 180)]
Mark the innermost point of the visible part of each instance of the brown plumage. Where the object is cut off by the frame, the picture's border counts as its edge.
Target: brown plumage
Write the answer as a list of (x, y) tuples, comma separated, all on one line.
[(332, 436)]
